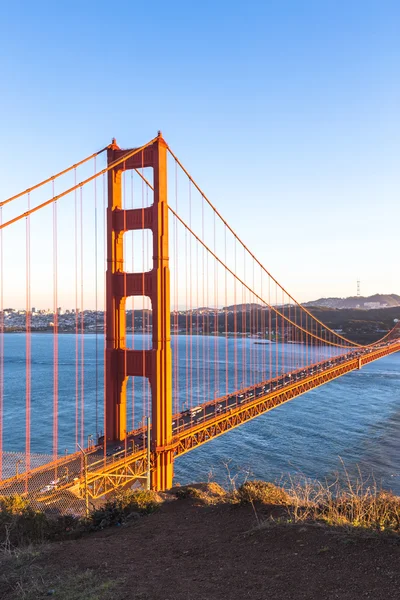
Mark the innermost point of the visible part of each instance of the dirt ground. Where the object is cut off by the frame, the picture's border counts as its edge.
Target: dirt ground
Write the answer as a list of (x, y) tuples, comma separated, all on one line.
[(187, 551)]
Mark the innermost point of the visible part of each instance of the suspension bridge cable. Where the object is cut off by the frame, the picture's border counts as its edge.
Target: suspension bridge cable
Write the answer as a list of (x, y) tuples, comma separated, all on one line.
[(270, 306), (111, 166), (53, 177), (277, 312), (249, 251), (237, 239)]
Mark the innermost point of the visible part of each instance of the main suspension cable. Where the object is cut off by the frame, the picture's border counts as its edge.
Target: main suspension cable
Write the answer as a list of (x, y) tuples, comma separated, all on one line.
[(270, 306), (53, 177), (249, 251), (277, 312), (111, 166)]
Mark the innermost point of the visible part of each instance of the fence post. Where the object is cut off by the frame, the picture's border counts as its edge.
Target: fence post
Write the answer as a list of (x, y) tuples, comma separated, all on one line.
[(85, 479), (148, 454)]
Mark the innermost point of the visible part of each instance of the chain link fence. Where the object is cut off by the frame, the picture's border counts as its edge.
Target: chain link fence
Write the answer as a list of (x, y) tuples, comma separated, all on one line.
[(74, 484)]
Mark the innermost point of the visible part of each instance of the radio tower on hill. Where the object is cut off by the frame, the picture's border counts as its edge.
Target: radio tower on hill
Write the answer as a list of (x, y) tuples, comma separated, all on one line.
[(358, 287)]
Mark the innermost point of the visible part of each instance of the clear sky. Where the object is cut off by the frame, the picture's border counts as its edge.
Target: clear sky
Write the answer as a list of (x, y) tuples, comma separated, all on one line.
[(286, 112)]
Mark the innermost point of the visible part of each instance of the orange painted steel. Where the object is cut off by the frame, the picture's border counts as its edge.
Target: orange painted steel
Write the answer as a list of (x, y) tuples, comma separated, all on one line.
[(134, 466), (210, 429), (117, 473), (75, 187), (156, 363)]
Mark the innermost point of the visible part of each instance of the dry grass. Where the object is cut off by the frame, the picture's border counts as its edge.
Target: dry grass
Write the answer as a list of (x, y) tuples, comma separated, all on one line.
[(353, 502), (350, 502)]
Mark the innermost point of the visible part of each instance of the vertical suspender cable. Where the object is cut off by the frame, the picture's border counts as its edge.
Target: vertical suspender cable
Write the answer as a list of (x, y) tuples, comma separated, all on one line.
[(145, 404), (187, 400), (226, 322), (96, 307), (208, 346), (28, 347), (244, 348), (307, 340), (149, 314), (199, 395), (82, 329), (252, 359), (205, 313), (1, 343), (76, 318), (133, 305), (104, 211), (190, 296), (283, 369), (276, 335), (176, 353), (216, 319), (235, 332), (303, 339), (124, 266), (253, 330), (269, 328), (262, 329), (55, 334)]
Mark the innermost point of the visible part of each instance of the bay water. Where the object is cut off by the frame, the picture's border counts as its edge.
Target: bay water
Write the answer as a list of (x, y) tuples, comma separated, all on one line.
[(354, 420)]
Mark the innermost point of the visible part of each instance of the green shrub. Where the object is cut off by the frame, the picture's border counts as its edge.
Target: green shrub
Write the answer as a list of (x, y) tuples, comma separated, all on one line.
[(207, 493), (13, 504), (21, 524), (263, 492), (126, 504), (187, 491), (141, 501)]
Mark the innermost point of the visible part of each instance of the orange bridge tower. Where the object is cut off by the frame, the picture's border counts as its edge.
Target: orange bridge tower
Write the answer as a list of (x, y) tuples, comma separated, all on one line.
[(120, 362)]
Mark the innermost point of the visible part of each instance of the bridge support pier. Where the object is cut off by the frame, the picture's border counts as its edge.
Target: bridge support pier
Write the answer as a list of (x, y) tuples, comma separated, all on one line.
[(121, 362)]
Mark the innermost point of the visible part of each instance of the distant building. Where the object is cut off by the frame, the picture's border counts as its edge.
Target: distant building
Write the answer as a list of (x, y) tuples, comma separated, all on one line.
[(370, 305)]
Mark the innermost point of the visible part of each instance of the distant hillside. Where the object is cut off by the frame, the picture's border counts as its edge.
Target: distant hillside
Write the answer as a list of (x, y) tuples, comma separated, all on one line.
[(362, 302)]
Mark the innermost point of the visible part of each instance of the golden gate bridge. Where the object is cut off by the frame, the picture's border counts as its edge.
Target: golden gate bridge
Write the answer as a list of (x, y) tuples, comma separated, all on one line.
[(138, 236)]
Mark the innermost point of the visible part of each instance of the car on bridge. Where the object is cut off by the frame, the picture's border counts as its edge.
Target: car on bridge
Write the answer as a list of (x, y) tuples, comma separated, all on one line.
[(48, 488)]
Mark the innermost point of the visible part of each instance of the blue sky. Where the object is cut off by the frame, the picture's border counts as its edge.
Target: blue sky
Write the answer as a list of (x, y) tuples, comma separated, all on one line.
[(286, 113)]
